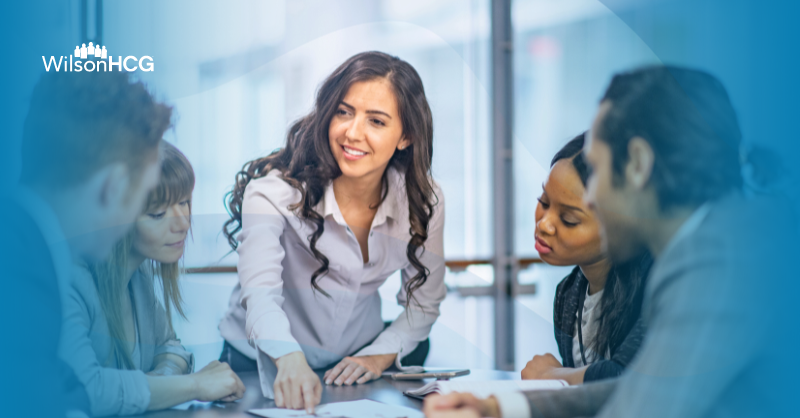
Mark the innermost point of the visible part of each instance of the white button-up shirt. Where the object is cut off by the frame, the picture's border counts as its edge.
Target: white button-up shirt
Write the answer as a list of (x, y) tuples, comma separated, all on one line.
[(274, 309)]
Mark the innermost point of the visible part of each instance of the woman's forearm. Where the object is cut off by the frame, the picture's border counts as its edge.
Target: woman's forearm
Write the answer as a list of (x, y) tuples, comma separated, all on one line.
[(169, 364), (168, 391), (571, 375)]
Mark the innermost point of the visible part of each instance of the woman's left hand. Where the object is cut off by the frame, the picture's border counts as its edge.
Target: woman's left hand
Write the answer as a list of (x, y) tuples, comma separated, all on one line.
[(541, 367), (358, 369)]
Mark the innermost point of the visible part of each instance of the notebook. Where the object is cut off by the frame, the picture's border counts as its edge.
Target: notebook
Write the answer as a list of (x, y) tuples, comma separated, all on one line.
[(484, 389)]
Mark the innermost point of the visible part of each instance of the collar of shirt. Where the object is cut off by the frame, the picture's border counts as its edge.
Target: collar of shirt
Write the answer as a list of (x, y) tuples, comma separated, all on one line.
[(688, 227), (389, 208)]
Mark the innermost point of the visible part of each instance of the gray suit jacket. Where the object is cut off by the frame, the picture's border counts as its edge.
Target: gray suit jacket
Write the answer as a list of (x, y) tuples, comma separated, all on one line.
[(86, 344), (710, 311)]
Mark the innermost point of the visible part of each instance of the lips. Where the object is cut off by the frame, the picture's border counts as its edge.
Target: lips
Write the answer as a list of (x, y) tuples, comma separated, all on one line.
[(177, 244), (542, 246), (352, 154)]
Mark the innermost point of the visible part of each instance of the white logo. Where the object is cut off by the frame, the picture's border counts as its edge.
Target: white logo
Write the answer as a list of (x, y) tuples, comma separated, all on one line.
[(94, 56)]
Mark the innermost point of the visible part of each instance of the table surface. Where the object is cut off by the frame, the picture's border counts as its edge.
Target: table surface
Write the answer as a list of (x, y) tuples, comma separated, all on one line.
[(383, 390)]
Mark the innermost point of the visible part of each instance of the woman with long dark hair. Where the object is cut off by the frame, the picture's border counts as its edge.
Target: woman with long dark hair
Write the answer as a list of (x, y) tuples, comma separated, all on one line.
[(323, 222), (597, 307)]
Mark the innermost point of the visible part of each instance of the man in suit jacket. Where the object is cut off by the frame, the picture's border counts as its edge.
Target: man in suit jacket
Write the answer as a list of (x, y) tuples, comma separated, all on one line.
[(89, 158), (664, 149)]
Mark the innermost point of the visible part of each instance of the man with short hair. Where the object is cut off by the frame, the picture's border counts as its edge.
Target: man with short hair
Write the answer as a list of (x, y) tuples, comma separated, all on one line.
[(89, 158), (664, 150)]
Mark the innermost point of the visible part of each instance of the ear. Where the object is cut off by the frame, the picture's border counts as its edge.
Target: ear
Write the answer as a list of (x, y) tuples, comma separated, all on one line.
[(404, 143), (640, 163), (112, 187)]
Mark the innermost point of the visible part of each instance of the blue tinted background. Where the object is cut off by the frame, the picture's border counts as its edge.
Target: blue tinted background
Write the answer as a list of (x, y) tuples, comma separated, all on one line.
[(750, 45)]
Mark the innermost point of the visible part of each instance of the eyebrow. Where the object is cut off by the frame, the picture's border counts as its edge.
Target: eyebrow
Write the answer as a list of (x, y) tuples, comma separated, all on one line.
[(575, 208), (375, 112), (570, 207)]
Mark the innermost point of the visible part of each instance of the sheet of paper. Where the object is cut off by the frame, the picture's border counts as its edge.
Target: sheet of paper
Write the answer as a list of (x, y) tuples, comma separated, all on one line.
[(356, 409), (487, 388)]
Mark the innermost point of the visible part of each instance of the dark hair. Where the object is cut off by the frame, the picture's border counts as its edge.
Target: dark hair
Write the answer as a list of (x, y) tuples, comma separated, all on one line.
[(308, 165), (574, 150), (79, 123), (687, 118), (621, 304)]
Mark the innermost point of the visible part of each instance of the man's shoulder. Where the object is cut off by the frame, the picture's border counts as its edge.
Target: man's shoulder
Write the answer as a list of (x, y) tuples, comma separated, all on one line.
[(734, 247), (24, 242), (729, 229)]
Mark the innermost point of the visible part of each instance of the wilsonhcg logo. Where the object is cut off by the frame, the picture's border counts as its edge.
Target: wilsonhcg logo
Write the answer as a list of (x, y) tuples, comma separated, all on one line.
[(94, 57)]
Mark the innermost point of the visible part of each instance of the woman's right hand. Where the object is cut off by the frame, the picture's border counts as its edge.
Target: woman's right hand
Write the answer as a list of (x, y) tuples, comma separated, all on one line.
[(296, 385), (217, 381)]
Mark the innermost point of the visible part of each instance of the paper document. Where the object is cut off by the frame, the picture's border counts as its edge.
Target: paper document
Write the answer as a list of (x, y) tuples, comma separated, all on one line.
[(486, 388), (356, 409)]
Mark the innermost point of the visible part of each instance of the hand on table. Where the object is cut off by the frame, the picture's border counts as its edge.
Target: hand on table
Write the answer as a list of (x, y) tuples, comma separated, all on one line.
[(217, 381), (296, 385), (541, 367), (460, 405), (358, 369)]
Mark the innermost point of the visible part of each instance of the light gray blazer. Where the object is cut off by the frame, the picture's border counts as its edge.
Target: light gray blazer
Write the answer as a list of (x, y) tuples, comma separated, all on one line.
[(86, 344), (708, 311)]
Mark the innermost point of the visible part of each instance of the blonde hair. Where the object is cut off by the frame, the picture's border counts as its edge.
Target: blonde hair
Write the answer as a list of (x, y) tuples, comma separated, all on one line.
[(176, 183)]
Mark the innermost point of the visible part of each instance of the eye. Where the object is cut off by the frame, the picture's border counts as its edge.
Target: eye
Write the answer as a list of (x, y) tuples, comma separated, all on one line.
[(341, 111), (157, 216), (569, 224), (543, 203), (378, 122), (185, 203)]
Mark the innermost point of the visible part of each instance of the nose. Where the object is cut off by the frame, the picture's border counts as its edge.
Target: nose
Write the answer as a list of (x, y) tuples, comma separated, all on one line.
[(180, 221), (355, 131), (545, 225)]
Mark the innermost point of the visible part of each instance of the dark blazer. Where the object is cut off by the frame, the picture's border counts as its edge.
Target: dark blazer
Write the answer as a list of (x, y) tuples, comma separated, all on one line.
[(570, 295), (30, 306)]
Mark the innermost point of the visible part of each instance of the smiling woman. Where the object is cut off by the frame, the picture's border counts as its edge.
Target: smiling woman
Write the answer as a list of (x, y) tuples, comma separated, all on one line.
[(324, 222)]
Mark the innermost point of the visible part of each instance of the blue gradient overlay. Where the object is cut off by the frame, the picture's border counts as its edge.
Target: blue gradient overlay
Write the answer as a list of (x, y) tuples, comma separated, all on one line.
[(751, 46)]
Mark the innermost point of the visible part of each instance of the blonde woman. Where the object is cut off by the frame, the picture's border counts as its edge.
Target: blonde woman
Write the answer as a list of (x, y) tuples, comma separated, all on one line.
[(118, 337)]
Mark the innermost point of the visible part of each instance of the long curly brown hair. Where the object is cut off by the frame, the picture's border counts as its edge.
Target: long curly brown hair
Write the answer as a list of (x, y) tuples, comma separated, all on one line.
[(307, 162)]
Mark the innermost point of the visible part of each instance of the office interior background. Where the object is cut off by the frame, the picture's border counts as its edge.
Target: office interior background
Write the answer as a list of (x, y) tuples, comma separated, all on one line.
[(239, 72)]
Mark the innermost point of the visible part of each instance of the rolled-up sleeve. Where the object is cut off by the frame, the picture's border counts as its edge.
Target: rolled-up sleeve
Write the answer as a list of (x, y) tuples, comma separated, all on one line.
[(260, 256), (414, 324), (166, 342), (170, 344), (110, 391)]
